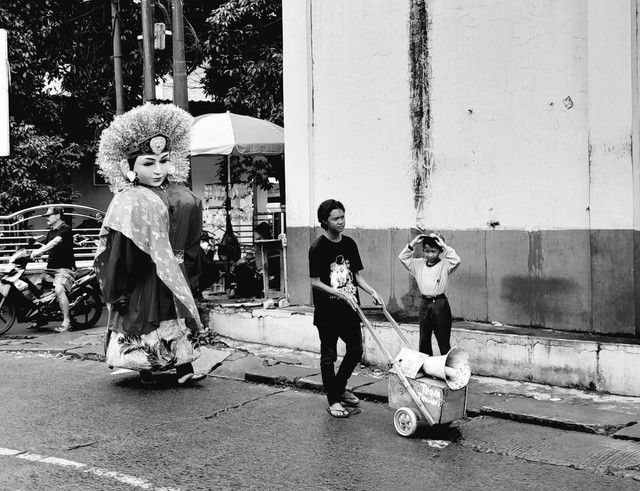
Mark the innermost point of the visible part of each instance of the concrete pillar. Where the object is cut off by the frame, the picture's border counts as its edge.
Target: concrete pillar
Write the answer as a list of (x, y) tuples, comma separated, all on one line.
[(611, 193), (635, 138), (298, 121)]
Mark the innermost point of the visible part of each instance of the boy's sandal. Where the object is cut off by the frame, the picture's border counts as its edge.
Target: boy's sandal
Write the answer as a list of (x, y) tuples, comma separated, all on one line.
[(62, 328), (353, 410), (338, 413), (348, 399)]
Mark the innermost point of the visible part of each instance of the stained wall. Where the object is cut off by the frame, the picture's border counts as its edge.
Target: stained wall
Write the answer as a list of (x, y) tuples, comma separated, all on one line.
[(507, 125)]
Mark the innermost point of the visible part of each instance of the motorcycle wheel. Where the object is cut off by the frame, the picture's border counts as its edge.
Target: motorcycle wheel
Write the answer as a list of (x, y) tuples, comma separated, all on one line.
[(7, 316), (86, 313)]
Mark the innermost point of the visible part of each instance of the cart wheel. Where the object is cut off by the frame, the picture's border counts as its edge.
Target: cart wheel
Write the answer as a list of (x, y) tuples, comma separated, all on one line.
[(405, 421)]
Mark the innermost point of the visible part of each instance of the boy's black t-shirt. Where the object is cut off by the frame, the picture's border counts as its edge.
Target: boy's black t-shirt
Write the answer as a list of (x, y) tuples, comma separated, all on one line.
[(335, 263), (61, 256)]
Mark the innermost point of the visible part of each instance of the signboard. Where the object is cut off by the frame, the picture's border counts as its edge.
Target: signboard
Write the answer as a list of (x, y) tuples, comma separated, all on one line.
[(4, 94), (410, 362)]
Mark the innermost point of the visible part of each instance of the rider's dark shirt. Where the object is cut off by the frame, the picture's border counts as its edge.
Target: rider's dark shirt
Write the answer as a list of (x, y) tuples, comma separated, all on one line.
[(61, 256)]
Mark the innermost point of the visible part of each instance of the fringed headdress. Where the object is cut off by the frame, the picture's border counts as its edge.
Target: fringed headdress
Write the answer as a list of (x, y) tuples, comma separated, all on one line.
[(132, 131)]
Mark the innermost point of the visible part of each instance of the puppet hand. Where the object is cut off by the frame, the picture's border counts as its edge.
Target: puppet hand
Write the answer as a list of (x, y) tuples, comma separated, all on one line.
[(122, 306)]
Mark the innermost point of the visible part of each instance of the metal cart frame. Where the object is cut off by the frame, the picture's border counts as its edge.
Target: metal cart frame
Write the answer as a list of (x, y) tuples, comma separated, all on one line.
[(405, 418)]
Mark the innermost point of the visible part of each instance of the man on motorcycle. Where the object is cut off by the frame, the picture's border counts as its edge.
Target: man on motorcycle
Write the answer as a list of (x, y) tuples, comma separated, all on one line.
[(61, 263)]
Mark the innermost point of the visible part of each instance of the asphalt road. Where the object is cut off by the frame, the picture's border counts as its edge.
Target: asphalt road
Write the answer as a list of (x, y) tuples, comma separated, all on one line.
[(76, 425)]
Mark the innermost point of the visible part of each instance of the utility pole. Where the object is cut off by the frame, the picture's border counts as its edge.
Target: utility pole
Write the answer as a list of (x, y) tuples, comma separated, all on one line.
[(4, 94), (180, 91), (149, 68), (117, 55)]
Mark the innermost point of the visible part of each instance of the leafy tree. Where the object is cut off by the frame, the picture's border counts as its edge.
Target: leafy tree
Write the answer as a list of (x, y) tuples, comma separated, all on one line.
[(70, 42), (37, 172), (25, 177), (244, 48)]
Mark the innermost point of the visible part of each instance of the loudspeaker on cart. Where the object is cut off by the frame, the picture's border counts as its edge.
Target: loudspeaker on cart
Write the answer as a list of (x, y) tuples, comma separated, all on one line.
[(423, 387)]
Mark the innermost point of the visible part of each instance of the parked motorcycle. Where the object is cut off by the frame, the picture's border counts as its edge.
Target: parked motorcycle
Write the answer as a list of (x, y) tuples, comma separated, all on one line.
[(22, 300)]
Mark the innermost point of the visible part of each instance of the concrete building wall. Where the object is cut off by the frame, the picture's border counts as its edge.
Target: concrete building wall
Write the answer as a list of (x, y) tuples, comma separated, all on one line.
[(506, 148), (348, 125), (507, 125)]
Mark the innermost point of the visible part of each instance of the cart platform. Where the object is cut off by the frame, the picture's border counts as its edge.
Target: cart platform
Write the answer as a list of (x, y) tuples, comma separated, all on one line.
[(442, 403)]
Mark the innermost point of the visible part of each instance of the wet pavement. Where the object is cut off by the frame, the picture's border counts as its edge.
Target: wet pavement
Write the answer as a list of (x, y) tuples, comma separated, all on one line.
[(72, 424), (259, 422), (571, 409)]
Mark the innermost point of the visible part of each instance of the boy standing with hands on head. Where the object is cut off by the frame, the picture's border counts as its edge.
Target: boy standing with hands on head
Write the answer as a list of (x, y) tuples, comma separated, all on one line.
[(432, 274)]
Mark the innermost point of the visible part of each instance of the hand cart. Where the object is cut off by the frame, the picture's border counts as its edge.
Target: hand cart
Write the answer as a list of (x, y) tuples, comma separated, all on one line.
[(422, 397)]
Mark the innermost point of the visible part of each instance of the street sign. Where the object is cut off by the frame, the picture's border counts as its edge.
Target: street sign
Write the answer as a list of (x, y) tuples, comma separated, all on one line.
[(158, 35), (4, 94)]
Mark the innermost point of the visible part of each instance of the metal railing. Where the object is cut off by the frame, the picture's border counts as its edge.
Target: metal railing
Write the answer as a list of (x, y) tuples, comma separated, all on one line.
[(24, 228)]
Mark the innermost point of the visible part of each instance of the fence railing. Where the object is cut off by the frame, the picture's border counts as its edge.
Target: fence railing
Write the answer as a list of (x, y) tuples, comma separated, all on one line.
[(24, 228)]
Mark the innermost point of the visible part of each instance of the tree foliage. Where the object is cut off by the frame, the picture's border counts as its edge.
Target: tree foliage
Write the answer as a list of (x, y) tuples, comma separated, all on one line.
[(70, 42), (244, 47), (37, 171)]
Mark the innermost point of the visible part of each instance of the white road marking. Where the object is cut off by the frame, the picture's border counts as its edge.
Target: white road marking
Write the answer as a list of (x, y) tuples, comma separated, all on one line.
[(62, 462), (133, 481), (29, 456)]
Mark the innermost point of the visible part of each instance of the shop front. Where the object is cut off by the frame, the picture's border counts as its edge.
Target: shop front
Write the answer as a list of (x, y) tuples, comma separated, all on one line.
[(238, 172)]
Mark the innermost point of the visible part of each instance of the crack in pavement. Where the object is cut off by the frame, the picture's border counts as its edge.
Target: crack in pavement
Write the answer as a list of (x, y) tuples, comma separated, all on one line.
[(81, 445), (236, 406)]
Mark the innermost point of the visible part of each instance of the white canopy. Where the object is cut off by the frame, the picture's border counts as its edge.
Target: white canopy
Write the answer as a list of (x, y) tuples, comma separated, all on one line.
[(232, 134)]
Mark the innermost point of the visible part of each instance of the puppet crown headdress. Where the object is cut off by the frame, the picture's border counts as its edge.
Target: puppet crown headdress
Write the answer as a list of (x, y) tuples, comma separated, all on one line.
[(131, 132)]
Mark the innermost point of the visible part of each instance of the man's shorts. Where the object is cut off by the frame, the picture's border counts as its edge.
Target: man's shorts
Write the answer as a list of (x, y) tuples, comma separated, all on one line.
[(61, 276)]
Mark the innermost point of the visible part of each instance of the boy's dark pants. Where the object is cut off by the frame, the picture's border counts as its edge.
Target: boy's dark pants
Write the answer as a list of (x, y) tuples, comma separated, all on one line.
[(435, 317), (348, 329)]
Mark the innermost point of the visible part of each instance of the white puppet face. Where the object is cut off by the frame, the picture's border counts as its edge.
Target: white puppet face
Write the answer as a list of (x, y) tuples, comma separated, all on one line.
[(152, 169)]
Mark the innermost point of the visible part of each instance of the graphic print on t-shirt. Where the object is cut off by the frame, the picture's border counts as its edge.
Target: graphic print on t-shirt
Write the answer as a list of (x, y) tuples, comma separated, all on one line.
[(340, 276)]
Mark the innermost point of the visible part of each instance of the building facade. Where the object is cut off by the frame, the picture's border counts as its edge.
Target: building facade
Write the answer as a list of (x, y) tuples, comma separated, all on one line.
[(510, 126)]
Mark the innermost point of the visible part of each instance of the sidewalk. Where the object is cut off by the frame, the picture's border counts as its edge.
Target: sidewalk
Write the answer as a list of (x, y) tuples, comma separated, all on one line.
[(591, 412)]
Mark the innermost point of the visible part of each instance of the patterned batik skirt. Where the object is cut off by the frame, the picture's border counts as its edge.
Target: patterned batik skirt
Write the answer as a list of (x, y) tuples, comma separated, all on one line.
[(169, 346)]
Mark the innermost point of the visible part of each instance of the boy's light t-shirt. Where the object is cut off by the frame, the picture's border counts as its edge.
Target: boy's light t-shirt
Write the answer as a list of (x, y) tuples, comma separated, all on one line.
[(432, 280)]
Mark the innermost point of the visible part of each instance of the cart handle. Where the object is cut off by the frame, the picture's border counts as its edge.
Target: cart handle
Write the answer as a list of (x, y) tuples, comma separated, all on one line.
[(374, 335), (395, 325), (397, 328), (398, 371)]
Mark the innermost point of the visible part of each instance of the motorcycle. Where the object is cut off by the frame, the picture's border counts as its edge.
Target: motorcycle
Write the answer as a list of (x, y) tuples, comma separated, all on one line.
[(22, 300)]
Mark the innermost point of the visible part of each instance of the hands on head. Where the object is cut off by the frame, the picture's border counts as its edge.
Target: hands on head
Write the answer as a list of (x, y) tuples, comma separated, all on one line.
[(438, 238)]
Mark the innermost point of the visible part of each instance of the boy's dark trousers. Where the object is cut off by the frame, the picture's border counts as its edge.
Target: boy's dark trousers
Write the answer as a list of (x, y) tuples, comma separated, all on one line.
[(435, 317), (348, 329)]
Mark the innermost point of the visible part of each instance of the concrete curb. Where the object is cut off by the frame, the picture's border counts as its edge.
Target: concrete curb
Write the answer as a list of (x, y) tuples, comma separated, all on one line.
[(558, 358), (606, 430), (543, 414), (600, 414)]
